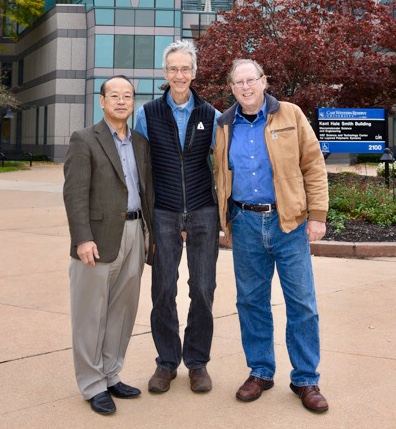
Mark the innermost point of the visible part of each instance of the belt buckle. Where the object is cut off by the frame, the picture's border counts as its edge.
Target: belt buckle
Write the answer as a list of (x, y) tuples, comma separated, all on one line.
[(266, 207)]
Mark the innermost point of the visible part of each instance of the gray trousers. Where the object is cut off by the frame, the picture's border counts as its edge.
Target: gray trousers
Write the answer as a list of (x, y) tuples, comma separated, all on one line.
[(104, 302)]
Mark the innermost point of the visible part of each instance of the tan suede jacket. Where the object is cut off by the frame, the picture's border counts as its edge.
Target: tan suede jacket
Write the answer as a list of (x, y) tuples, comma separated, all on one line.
[(299, 172)]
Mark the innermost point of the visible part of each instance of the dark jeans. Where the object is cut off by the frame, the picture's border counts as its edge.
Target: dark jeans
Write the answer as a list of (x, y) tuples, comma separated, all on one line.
[(202, 228)]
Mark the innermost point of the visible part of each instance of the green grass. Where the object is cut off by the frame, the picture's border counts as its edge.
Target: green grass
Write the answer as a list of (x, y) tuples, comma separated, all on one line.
[(14, 166)]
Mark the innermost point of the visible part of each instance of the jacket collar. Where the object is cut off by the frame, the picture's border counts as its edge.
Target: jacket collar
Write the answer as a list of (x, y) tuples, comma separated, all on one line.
[(227, 118)]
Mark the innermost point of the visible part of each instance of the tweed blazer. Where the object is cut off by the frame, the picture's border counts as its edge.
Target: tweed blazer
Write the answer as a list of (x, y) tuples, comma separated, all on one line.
[(95, 192)]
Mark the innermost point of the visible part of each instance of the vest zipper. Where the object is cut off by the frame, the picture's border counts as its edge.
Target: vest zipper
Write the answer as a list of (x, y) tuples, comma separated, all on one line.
[(181, 164)]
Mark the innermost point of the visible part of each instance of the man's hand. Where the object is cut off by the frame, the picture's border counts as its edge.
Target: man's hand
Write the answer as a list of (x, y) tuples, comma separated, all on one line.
[(87, 253), (315, 230)]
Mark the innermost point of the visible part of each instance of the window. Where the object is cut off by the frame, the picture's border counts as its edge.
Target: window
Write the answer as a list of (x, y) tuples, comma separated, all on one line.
[(145, 86), (104, 3), (20, 72), (144, 18), (6, 74), (144, 52), (104, 16), (123, 52), (104, 50), (164, 18), (45, 132), (125, 17), (37, 125), (165, 4), (161, 42), (146, 3)]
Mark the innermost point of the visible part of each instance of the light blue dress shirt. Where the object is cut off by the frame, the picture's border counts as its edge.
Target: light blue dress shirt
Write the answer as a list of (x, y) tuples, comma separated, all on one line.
[(128, 162), (249, 161), (181, 113)]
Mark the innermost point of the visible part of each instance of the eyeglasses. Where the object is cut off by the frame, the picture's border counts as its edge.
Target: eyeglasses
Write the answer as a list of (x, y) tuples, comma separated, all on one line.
[(115, 98), (185, 71), (249, 82)]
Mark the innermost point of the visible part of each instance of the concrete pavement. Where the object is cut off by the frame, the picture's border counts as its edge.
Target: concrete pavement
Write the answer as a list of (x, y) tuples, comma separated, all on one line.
[(357, 305)]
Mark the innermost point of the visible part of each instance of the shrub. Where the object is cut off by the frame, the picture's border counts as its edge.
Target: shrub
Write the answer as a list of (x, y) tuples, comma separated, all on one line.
[(357, 197)]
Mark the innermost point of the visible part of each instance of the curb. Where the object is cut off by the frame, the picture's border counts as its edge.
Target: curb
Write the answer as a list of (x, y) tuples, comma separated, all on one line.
[(339, 249)]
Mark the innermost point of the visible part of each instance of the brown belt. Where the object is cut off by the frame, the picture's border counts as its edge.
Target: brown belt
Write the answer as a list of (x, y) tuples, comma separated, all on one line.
[(256, 208)]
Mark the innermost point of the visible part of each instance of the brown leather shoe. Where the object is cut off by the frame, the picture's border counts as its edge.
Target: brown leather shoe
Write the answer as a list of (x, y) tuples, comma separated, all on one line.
[(252, 388), (200, 380), (311, 398), (161, 379)]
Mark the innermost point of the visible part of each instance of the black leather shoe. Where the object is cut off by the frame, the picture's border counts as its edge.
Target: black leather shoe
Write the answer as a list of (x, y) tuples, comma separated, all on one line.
[(121, 390), (102, 403)]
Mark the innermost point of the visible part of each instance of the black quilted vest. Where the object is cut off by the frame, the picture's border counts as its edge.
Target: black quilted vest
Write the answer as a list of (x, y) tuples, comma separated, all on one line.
[(183, 179)]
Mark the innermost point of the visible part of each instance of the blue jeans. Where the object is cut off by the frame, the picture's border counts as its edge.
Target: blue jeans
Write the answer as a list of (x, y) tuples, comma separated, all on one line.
[(202, 244), (259, 244)]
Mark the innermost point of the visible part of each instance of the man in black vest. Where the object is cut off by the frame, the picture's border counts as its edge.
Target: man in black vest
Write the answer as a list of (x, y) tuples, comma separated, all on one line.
[(180, 127)]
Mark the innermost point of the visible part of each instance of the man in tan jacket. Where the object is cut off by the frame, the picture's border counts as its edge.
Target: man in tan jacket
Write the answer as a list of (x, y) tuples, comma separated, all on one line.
[(271, 184)]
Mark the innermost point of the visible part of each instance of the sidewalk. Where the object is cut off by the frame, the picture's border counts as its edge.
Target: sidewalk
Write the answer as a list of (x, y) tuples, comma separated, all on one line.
[(357, 305)]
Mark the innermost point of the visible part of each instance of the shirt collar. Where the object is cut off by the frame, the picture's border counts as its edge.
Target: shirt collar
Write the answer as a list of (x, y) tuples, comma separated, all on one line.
[(189, 107), (261, 114), (114, 132)]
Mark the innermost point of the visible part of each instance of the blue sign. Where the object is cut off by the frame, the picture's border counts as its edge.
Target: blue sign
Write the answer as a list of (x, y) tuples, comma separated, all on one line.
[(354, 114), (354, 147), (341, 130)]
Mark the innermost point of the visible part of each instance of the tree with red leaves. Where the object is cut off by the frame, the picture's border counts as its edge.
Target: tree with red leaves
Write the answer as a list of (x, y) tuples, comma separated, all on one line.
[(323, 53)]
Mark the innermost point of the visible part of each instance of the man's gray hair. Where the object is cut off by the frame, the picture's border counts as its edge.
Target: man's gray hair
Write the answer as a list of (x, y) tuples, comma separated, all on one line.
[(237, 63), (184, 46)]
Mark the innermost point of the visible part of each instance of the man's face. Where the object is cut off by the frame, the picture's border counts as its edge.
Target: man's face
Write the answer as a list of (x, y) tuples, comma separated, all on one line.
[(179, 72), (248, 88), (117, 102)]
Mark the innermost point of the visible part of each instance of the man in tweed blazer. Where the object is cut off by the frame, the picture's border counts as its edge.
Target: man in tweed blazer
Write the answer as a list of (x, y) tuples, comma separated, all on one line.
[(108, 199)]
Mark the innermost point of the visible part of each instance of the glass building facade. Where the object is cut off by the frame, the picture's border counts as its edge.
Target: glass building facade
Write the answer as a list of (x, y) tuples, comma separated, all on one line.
[(59, 63)]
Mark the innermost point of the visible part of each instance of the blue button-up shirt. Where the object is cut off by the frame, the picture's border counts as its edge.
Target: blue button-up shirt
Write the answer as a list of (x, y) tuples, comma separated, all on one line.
[(249, 162), (181, 113), (128, 162)]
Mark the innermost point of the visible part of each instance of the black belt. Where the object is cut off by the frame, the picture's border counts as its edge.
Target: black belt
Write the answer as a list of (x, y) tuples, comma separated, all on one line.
[(133, 215), (256, 208)]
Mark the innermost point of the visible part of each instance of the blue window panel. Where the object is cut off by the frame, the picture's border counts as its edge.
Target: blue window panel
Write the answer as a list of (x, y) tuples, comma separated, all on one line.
[(104, 50), (104, 16), (144, 52), (166, 4), (178, 19), (123, 3), (146, 3), (97, 111), (157, 85), (164, 18), (144, 18), (125, 17), (145, 86), (161, 42), (108, 3), (98, 84), (123, 51)]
